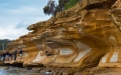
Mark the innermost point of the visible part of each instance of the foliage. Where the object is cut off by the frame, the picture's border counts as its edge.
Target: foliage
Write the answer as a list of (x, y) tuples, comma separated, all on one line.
[(52, 8), (3, 43), (49, 8), (62, 3), (70, 4)]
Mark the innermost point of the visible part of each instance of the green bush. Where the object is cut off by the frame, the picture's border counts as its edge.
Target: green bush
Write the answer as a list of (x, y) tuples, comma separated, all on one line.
[(70, 4)]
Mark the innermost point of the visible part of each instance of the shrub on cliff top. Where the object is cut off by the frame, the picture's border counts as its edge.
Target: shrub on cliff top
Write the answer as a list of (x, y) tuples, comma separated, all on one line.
[(52, 8), (70, 4)]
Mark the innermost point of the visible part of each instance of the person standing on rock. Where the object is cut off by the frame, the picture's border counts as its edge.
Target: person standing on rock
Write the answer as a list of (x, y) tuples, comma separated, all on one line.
[(3, 57), (21, 53), (7, 55), (15, 55), (10, 56)]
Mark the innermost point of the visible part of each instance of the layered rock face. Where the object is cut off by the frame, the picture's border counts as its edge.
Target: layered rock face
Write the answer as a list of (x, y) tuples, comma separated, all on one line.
[(83, 36), (112, 58)]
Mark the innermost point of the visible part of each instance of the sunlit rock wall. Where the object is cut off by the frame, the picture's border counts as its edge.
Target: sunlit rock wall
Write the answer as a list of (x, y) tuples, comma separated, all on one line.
[(83, 36), (112, 58)]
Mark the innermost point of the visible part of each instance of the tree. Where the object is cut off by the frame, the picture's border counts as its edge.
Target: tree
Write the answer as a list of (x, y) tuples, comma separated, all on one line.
[(3, 43), (52, 8), (71, 3)]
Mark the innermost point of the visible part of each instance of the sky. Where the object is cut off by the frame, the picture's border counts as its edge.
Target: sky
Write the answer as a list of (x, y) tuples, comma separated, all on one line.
[(17, 15)]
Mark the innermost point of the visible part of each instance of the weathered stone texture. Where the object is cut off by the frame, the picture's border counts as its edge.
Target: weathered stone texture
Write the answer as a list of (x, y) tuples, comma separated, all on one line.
[(86, 37)]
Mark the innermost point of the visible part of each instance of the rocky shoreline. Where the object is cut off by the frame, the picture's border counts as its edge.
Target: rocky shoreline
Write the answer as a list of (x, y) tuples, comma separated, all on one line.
[(83, 40), (5, 70), (10, 70)]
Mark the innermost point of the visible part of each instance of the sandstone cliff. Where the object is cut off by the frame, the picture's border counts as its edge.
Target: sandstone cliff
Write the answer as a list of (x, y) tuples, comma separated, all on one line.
[(86, 35)]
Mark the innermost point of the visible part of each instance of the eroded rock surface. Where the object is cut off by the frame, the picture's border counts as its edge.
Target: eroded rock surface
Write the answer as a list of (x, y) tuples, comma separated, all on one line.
[(84, 36)]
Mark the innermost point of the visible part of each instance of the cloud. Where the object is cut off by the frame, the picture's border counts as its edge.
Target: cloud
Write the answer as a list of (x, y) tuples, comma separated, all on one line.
[(17, 15), (27, 22), (16, 29)]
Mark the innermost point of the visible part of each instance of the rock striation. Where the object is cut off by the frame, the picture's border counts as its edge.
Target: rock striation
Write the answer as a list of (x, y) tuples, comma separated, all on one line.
[(84, 36)]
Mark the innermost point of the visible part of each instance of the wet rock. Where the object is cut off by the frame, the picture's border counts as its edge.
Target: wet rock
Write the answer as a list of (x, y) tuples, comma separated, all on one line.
[(48, 73), (6, 67), (28, 68)]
